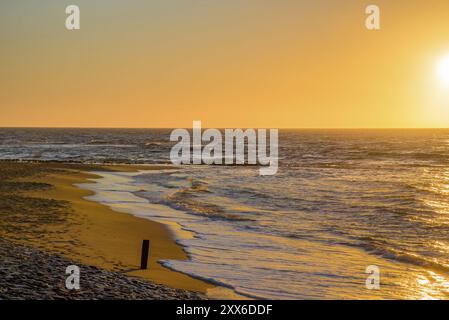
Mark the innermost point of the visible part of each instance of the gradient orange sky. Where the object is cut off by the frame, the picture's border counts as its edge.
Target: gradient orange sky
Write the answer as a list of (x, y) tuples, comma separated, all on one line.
[(228, 63)]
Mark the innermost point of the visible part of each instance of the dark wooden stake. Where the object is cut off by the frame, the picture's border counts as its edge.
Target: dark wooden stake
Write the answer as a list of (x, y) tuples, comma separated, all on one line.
[(145, 252)]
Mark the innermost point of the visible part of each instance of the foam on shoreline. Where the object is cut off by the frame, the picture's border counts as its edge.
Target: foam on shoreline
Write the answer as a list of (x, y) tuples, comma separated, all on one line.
[(108, 190)]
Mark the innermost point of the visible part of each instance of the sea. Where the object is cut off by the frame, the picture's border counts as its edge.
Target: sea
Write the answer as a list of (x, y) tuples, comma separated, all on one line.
[(343, 203)]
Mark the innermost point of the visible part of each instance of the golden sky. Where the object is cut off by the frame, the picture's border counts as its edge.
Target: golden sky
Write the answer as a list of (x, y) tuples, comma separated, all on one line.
[(228, 63)]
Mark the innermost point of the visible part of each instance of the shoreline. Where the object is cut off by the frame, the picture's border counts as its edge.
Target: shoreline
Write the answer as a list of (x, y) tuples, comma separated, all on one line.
[(94, 234), (108, 189)]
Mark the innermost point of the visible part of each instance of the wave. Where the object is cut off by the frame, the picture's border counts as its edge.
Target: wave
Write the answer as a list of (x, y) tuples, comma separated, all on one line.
[(387, 250), (169, 265)]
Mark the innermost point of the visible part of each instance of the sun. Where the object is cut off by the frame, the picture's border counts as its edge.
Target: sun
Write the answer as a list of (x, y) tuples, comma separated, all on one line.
[(443, 70)]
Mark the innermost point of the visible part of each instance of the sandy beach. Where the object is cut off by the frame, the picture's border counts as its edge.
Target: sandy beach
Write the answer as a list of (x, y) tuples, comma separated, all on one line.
[(42, 209)]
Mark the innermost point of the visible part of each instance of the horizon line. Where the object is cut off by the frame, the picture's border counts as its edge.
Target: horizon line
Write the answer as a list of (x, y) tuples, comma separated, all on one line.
[(280, 128)]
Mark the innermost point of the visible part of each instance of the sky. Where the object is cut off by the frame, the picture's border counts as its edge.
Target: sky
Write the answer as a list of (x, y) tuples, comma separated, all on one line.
[(227, 63)]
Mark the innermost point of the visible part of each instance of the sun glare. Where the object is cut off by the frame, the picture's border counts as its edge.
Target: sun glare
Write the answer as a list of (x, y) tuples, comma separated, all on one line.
[(443, 70)]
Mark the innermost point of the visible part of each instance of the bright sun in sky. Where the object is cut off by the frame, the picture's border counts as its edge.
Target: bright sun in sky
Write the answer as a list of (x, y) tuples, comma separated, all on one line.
[(443, 70)]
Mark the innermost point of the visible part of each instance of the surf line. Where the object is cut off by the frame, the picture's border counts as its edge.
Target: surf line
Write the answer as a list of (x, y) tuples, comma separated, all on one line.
[(192, 151)]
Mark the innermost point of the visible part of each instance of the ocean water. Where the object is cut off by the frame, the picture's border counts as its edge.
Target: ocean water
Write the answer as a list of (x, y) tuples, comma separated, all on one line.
[(341, 201)]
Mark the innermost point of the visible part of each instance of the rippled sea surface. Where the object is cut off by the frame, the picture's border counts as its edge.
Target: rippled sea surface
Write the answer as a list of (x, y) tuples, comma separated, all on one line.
[(342, 200)]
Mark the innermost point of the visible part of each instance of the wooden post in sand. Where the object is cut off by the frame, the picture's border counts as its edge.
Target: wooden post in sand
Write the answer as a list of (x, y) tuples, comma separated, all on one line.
[(144, 256)]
